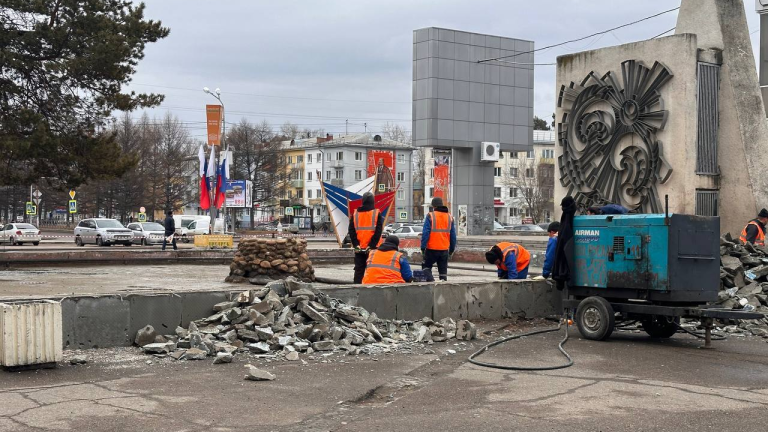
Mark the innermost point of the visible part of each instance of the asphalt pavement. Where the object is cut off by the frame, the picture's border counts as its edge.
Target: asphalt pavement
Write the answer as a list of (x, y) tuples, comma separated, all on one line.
[(628, 383)]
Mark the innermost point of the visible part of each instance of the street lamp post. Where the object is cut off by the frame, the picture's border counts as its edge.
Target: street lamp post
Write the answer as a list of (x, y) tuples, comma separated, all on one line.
[(217, 94)]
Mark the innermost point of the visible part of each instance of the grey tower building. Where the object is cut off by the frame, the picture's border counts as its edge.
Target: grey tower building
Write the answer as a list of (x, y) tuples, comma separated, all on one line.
[(460, 102)]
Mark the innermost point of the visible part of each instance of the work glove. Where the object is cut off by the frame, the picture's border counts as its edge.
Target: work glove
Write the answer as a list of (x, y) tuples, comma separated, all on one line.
[(450, 254), (358, 250)]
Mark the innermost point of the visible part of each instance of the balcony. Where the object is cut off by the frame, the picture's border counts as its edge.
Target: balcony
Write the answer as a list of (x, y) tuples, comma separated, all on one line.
[(297, 166), (297, 184), (338, 182), (337, 164)]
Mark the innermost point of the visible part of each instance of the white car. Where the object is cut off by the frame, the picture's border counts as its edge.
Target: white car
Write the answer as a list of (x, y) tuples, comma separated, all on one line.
[(408, 232), (147, 233), (102, 232), (19, 233)]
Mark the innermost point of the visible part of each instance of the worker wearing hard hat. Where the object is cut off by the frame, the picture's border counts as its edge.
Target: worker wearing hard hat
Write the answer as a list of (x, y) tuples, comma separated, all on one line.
[(511, 260), (386, 265), (754, 232)]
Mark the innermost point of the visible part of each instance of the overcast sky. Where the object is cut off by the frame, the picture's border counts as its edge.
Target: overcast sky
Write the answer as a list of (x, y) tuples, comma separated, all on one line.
[(317, 63)]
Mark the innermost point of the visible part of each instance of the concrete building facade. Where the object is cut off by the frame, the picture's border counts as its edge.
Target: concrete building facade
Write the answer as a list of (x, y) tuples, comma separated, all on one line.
[(678, 116), (461, 99)]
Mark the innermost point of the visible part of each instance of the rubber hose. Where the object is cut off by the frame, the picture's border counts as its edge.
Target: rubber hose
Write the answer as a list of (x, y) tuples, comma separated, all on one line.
[(525, 368)]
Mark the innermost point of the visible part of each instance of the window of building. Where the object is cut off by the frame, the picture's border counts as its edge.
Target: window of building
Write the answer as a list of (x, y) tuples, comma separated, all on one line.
[(513, 155), (309, 157), (319, 193), (513, 212), (497, 172), (431, 192), (529, 193), (432, 153), (513, 172), (527, 212), (300, 193), (497, 192), (358, 156), (513, 192), (319, 157), (290, 159), (309, 175), (290, 194), (328, 157), (401, 176), (339, 156), (309, 193), (531, 154), (529, 172), (358, 174), (431, 173), (299, 159), (400, 195), (401, 158), (340, 174), (548, 154), (327, 175), (298, 175)]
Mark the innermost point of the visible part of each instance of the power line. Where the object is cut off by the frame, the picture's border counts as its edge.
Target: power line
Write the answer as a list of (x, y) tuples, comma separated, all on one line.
[(287, 115), (278, 97), (581, 38), (663, 33)]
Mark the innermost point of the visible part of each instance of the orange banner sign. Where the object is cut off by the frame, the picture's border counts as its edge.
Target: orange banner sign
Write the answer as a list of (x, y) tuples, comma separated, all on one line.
[(213, 117)]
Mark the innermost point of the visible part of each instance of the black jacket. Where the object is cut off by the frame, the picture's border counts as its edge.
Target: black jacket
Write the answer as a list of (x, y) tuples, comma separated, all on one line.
[(368, 205), (752, 231), (170, 226), (561, 270)]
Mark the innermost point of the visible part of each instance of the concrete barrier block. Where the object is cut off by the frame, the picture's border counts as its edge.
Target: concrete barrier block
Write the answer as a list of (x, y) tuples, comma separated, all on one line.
[(531, 299), (486, 301), (197, 305), (414, 301), (99, 322), (348, 294), (450, 300), (68, 329), (162, 311), (379, 299)]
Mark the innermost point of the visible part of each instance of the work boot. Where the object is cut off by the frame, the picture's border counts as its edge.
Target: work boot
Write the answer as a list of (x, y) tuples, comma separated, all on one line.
[(443, 277)]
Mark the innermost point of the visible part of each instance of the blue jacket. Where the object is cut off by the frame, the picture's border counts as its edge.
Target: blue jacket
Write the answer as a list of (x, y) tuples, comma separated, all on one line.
[(405, 269), (428, 229), (549, 259), (511, 263)]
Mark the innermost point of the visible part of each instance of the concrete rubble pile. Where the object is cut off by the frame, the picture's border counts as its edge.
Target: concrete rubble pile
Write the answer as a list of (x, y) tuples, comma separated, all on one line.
[(744, 283), (290, 318), (263, 260)]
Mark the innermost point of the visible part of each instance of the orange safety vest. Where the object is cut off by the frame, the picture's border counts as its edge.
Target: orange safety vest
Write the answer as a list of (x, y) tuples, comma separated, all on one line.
[(523, 256), (759, 240), (383, 268), (365, 226), (440, 236)]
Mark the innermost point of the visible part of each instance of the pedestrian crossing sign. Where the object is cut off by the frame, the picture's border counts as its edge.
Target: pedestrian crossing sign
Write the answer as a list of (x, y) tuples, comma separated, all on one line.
[(142, 217), (31, 209), (72, 206)]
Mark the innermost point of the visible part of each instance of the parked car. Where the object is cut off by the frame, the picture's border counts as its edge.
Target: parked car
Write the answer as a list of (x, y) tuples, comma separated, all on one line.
[(19, 233), (147, 233), (545, 225), (102, 232), (406, 232), (196, 227), (390, 228), (525, 229)]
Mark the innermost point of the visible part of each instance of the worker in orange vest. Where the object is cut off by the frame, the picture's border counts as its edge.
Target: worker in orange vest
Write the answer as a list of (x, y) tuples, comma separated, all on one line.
[(365, 227), (438, 238), (754, 232), (511, 260), (386, 265)]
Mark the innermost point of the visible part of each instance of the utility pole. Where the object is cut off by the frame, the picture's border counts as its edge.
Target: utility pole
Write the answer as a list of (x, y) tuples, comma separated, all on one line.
[(346, 127), (217, 94)]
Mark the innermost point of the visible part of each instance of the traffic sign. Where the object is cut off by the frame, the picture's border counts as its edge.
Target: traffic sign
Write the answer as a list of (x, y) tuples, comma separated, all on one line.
[(72, 206), (382, 187), (37, 201), (72, 194), (142, 209), (37, 193), (142, 216), (31, 209), (289, 211)]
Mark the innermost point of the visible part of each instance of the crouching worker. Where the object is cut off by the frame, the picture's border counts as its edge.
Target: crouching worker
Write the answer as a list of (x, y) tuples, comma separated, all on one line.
[(511, 260), (549, 258), (386, 265)]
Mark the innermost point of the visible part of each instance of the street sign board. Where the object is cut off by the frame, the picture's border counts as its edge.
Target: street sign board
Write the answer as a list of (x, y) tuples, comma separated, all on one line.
[(37, 201), (289, 211), (142, 209), (37, 193), (72, 206), (142, 217), (403, 215), (382, 187), (72, 194), (31, 209)]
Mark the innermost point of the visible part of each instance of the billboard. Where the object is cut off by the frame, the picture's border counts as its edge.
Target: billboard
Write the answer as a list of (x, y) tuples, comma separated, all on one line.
[(238, 193), (442, 176), (381, 164), (213, 119)]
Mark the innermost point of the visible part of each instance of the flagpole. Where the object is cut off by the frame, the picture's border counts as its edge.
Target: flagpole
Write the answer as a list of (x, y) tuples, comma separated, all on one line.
[(335, 231)]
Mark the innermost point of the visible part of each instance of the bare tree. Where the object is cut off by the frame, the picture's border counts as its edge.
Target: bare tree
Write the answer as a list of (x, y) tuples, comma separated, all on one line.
[(395, 132), (312, 133), (178, 162), (289, 130), (535, 184)]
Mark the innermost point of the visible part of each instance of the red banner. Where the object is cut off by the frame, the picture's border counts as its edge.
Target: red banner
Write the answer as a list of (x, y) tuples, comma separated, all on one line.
[(443, 178), (381, 163)]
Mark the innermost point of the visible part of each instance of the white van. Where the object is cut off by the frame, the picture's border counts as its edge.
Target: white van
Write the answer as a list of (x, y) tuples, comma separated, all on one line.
[(188, 226)]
